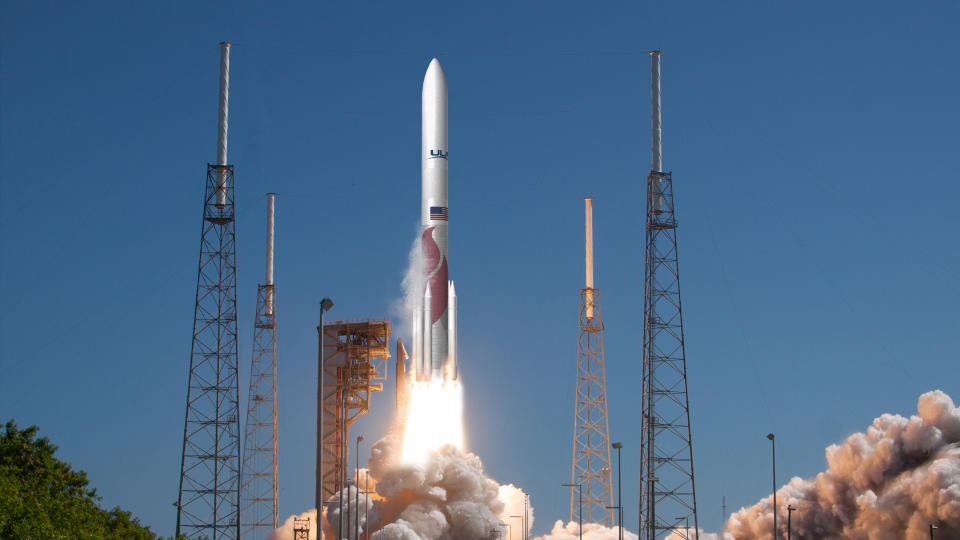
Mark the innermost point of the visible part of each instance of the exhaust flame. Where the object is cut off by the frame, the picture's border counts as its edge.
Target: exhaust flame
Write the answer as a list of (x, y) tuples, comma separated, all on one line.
[(434, 420)]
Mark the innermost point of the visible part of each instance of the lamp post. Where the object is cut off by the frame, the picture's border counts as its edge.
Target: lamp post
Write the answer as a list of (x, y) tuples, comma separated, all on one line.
[(790, 509), (325, 305), (342, 447), (932, 527), (773, 453), (686, 527), (366, 505), (618, 446), (356, 517), (580, 503), (526, 514)]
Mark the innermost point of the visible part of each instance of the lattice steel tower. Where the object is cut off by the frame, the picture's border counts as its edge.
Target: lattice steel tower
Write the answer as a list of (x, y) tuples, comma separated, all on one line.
[(667, 495), (259, 492), (591, 440), (209, 499)]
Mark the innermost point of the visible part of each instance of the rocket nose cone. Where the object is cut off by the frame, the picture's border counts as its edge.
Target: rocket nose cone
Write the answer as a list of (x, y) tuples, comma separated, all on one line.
[(434, 74)]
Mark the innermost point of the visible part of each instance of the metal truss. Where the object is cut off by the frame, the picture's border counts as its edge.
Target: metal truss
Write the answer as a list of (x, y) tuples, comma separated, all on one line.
[(591, 439), (259, 491), (208, 502), (301, 529), (667, 495)]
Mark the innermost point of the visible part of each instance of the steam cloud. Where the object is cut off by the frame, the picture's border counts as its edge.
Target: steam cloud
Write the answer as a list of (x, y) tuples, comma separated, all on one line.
[(449, 498), (889, 482), (591, 531), (402, 308)]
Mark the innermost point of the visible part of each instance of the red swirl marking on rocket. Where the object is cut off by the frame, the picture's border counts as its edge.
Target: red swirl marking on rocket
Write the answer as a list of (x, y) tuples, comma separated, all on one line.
[(435, 318)]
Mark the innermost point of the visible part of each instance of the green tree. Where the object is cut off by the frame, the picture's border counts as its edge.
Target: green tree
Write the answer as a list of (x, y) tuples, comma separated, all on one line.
[(43, 498)]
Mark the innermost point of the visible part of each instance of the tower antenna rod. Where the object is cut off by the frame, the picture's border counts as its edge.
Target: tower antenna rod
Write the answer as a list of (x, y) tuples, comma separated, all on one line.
[(269, 281), (222, 123), (588, 255), (656, 161)]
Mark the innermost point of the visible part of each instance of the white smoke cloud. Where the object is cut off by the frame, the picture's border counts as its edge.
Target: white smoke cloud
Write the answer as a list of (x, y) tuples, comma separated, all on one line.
[(285, 531), (591, 531), (512, 498), (448, 498), (402, 309), (892, 481), (357, 507)]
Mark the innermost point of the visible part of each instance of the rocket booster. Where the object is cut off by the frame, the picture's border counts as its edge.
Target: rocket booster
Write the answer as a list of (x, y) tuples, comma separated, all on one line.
[(435, 320)]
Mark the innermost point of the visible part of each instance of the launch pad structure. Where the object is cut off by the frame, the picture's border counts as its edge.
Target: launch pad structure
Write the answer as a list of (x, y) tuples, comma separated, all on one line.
[(354, 355)]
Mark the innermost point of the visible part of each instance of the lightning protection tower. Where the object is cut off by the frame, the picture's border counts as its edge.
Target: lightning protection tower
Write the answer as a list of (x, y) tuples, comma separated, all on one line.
[(667, 496), (259, 492), (591, 440), (209, 501)]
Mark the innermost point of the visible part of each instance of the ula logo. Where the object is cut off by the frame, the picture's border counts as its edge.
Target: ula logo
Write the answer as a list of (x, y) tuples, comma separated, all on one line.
[(434, 154)]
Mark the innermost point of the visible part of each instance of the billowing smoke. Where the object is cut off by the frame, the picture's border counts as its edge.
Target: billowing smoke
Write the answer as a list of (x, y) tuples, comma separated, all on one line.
[(889, 482), (449, 497), (285, 531), (591, 531), (402, 309)]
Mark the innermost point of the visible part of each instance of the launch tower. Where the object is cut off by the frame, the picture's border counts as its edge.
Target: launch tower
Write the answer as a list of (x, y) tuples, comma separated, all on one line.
[(591, 439), (667, 496), (354, 358), (209, 500), (259, 491)]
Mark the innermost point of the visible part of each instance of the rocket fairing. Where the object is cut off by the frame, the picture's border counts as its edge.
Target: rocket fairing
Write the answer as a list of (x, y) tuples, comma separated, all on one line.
[(434, 320)]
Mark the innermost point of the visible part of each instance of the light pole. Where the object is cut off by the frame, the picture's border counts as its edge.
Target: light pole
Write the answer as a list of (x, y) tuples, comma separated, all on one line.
[(356, 511), (526, 513), (932, 527), (618, 446), (580, 503), (686, 527), (325, 305), (790, 509), (773, 451), (366, 507)]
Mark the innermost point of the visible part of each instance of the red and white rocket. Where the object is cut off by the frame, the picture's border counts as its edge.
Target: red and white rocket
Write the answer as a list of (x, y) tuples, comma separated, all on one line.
[(435, 318)]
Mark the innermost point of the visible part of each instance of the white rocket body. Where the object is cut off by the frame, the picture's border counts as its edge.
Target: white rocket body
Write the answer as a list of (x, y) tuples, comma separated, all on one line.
[(436, 355)]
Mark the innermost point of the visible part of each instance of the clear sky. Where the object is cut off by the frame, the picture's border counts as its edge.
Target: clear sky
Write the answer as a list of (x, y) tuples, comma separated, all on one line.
[(814, 150)]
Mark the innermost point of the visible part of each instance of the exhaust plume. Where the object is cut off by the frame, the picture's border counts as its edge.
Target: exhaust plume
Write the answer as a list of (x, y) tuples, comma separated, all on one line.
[(448, 497), (892, 481)]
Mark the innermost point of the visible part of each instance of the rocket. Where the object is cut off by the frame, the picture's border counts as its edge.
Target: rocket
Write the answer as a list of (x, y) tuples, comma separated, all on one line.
[(435, 318)]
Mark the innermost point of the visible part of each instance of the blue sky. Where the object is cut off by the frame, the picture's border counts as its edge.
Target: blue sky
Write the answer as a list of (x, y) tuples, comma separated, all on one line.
[(814, 154)]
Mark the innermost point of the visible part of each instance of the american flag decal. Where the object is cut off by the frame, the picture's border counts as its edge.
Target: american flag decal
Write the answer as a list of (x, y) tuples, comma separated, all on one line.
[(438, 213)]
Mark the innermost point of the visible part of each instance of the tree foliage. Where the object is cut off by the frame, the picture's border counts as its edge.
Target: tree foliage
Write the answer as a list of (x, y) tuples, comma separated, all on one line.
[(42, 497)]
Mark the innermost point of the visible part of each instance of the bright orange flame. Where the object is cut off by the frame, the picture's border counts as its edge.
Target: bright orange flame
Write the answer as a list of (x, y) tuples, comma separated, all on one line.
[(434, 420)]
